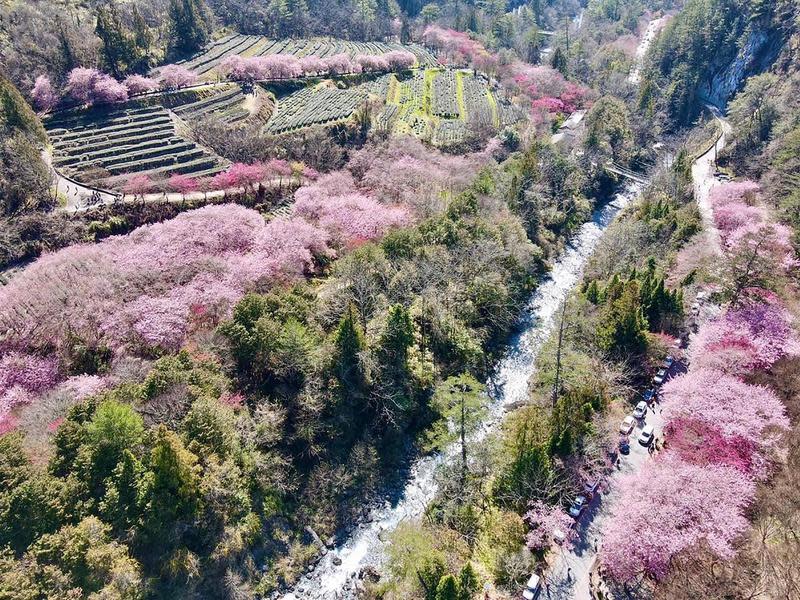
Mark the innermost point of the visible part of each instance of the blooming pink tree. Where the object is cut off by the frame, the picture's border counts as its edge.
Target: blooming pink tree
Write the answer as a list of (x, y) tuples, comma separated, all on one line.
[(138, 184), (183, 184), (400, 60), (340, 64), (544, 521), (313, 65), (701, 443), (43, 95), (668, 507), (372, 63), (107, 90), (737, 409), (281, 66), (173, 77), (352, 218), (139, 84), (80, 84), (752, 336)]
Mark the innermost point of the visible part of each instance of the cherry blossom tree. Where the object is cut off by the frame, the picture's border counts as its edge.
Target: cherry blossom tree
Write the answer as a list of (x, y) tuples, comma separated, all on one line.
[(106, 89), (138, 184), (351, 218), (139, 84), (668, 507), (752, 336), (544, 520), (313, 65), (183, 184), (43, 95), (80, 84), (701, 443), (739, 192), (280, 66), (173, 77), (400, 60), (372, 63), (340, 64), (737, 409)]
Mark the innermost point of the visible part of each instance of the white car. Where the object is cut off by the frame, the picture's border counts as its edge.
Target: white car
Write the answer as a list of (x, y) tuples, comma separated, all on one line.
[(646, 437), (627, 425), (640, 411), (532, 588)]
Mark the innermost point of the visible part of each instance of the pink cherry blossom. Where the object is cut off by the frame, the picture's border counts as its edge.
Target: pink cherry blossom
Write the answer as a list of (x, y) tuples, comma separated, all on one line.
[(372, 63), (107, 89), (340, 64), (184, 184), (737, 409), (668, 507), (139, 84), (80, 84), (173, 77), (43, 95), (544, 520)]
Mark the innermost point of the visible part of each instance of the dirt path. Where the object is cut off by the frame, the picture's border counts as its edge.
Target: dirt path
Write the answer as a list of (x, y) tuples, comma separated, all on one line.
[(704, 180)]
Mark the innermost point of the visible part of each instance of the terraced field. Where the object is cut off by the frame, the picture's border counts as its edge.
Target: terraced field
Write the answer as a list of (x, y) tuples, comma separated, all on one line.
[(315, 106), (204, 62), (227, 105), (442, 105), (99, 146)]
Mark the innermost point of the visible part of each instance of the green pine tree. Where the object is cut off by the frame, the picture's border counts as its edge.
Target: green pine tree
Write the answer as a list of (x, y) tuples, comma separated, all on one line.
[(119, 49), (188, 26), (447, 588), (467, 582), (349, 342)]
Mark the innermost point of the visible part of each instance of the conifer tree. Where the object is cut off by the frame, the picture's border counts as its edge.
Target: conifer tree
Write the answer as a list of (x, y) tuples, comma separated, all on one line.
[(188, 26)]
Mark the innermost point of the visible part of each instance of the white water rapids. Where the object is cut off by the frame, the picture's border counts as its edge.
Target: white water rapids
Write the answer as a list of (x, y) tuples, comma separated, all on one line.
[(335, 573)]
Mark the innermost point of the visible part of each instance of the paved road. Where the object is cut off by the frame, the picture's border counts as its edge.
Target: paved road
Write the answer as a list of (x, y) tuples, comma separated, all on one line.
[(581, 559), (704, 181)]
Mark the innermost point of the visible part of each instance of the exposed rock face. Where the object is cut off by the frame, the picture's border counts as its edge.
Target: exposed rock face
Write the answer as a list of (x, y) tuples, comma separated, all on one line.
[(758, 51)]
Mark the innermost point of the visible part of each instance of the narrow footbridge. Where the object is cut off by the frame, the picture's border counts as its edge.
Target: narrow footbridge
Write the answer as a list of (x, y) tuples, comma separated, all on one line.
[(624, 172)]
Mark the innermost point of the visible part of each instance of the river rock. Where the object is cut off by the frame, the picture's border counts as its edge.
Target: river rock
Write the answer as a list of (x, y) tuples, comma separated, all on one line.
[(336, 560)]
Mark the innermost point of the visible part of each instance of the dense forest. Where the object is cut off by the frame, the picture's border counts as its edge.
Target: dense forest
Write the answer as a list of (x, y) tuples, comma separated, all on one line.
[(419, 281)]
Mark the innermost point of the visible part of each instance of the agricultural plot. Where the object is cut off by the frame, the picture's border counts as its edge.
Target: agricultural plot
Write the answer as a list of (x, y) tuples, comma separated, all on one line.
[(442, 106), (314, 106), (227, 105), (99, 146), (204, 62)]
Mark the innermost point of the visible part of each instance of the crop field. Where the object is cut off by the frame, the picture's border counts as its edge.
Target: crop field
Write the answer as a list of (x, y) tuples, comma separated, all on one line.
[(314, 106), (227, 105), (442, 105), (204, 62), (437, 105), (98, 146)]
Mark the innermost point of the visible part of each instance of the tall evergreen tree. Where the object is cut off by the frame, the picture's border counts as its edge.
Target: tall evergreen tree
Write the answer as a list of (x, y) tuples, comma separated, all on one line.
[(188, 26), (119, 49)]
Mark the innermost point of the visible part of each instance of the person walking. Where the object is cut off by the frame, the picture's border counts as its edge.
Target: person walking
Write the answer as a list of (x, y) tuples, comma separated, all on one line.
[(569, 573)]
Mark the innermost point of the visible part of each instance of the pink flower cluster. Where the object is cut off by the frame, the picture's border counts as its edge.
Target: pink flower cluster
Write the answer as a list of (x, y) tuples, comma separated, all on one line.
[(173, 77), (670, 506), (751, 336), (90, 86), (43, 95), (287, 66), (745, 224), (544, 520)]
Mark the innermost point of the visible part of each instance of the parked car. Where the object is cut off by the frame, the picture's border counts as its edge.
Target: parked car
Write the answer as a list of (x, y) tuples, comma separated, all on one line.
[(640, 411), (649, 395), (660, 376), (624, 445), (590, 488), (578, 505), (627, 425), (668, 362), (646, 436), (533, 588)]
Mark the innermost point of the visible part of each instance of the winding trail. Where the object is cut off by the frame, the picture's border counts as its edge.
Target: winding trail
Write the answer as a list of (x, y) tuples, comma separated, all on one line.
[(335, 575), (704, 180)]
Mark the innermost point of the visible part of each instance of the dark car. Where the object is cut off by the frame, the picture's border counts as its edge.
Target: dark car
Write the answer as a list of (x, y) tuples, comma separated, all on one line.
[(624, 445), (649, 395)]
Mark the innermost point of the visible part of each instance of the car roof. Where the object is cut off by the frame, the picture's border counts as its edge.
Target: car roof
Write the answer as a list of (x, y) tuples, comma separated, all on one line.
[(533, 581), (647, 429), (641, 404), (628, 419)]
